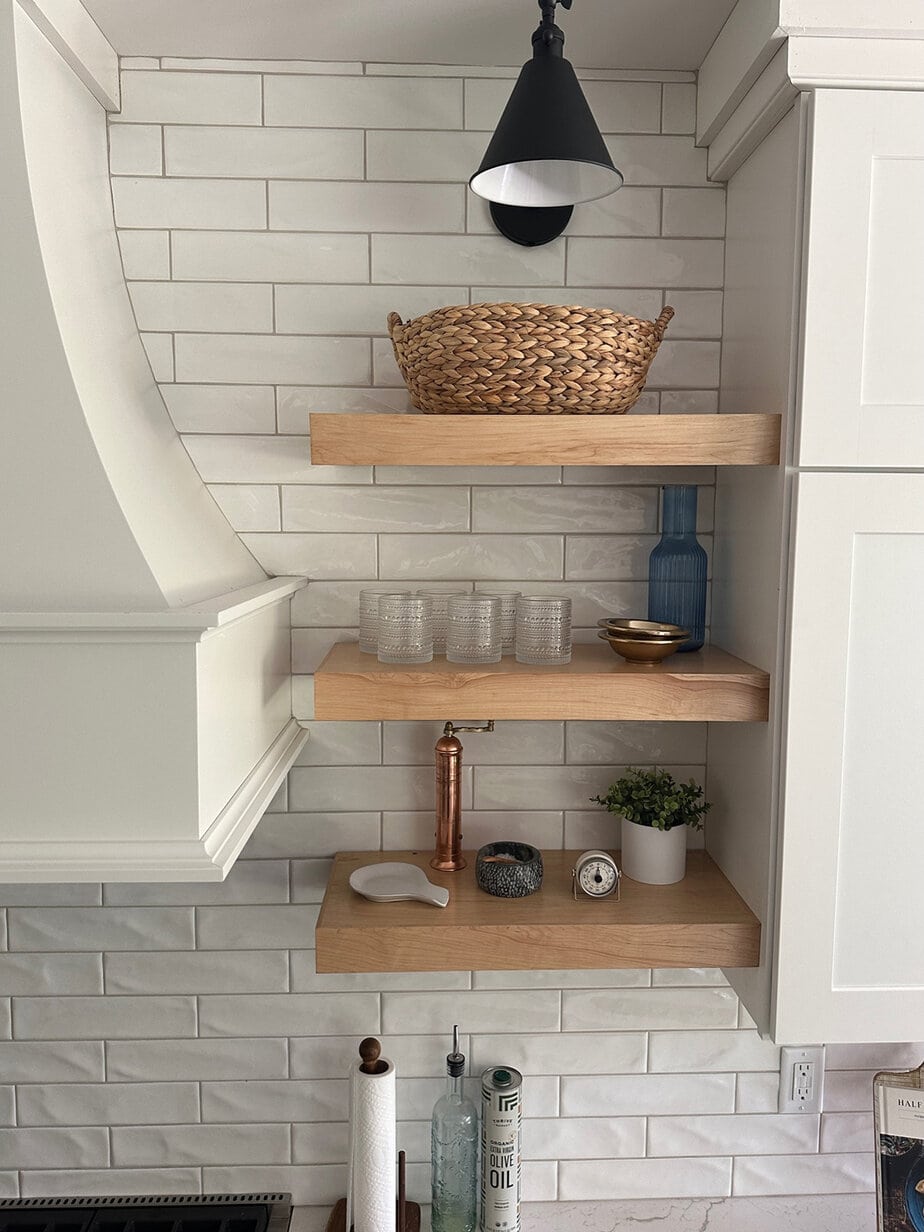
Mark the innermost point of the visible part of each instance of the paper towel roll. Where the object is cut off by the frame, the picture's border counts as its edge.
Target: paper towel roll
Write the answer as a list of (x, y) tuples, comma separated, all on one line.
[(373, 1149)]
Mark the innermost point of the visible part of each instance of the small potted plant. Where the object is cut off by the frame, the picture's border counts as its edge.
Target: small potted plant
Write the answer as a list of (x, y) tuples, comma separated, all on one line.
[(656, 811)]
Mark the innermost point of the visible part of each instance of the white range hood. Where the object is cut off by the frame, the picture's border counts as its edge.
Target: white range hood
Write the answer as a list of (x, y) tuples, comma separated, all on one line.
[(145, 689)]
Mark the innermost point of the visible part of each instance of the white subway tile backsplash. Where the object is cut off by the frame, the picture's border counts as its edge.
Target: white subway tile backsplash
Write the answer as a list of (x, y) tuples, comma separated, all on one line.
[(80, 1061), (302, 206), (546, 787), (248, 507), (195, 1059), (732, 1135), (50, 1183), (290, 1014), (678, 107), (459, 557), (195, 1145), (698, 314), (620, 1052), (488, 475), (265, 459), (647, 1094), (209, 204), (145, 254), (511, 743), (848, 1090), (110, 1103), (7, 1106), (635, 301), (846, 1132), (686, 365), (309, 883), (159, 350), (695, 1051), (606, 1138), (374, 509), (330, 1143), (644, 1178), (643, 1008), (685, 977), (296, 402), (362, 102), (293, 835), (189, 98), (54, 1148), (391, 787), (210, 65), (288, 153), (636, 743), (873, 1056), (339, 744), (242, 971), (535, 1010), (629, 978), (416, 1096), (402, 831), (423, 157), (260, 358), (135, 149), (266, 928), (794, 1174), (565, 509), (318, 556), (757, 1092), (39, 975), (482, 259), (306, 979), (101, 928), (181, 306), (234, 256), (319, 1102), (96, 1018), (221, 408), (690, 402), (356, 310), (697, 212), (603, 557), (665, 262), (663, 160)]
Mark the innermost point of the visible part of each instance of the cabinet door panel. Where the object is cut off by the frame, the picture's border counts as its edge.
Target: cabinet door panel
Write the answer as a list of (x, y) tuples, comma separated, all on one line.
[(851, 937), (862, 401)]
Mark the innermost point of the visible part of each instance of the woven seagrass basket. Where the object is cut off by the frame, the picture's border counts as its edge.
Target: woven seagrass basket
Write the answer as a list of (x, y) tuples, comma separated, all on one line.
[(525, 359)]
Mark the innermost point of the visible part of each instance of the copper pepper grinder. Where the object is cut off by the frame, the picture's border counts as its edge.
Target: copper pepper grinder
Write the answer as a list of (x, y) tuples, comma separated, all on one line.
[(448, 856)]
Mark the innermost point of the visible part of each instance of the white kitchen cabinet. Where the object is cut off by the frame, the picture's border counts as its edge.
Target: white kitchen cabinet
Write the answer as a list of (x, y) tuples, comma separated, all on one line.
[(850, 951), (862, 396)]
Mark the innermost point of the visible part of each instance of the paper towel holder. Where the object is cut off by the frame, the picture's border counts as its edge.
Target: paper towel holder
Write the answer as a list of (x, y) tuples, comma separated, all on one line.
[(371, 1051)]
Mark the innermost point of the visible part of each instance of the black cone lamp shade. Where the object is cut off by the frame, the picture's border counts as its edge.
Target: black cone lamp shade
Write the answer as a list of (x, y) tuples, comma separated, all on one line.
[(547, 151)]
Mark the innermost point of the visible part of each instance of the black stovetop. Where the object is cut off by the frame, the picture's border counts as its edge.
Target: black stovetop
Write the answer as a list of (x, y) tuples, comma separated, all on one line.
[(260, 1212)]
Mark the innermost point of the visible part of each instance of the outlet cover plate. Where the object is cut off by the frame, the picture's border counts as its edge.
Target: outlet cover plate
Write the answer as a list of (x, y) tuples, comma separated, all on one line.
[(802, 1079)]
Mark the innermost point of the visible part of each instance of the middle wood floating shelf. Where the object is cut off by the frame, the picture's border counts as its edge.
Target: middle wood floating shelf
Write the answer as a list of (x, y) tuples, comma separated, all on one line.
[(705, 686), (544, 440)]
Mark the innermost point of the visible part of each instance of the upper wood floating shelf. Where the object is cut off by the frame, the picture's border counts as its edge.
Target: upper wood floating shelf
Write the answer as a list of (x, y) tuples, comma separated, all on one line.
[(699, 922), (544, 440), (705, 686)]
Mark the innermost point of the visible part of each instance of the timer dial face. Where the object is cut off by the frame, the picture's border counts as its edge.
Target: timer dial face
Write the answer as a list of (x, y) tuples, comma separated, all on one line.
[(597, 876)]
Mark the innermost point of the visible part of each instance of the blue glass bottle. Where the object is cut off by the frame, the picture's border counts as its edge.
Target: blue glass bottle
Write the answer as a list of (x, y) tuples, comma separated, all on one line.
[(677, 568)]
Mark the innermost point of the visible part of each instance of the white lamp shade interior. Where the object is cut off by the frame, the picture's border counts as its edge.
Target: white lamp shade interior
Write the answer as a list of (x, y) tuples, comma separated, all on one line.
[(546, 182)]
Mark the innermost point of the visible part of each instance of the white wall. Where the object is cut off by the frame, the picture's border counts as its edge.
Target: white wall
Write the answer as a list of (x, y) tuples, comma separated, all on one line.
[(262, 260)]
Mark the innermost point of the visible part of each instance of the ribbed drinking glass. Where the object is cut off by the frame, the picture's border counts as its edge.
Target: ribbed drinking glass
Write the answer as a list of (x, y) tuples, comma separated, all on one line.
[(440, 615), (369, 617), (405, 629), (543, 630), (677, 568), (508, 616), (473, 634)]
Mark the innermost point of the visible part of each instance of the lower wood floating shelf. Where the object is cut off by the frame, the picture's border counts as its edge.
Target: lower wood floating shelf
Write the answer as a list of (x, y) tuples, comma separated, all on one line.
[(699, 922), (705, 686)]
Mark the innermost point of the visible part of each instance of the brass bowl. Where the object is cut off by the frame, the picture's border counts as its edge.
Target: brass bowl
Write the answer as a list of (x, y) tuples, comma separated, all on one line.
[(646, 630), (638, 650)]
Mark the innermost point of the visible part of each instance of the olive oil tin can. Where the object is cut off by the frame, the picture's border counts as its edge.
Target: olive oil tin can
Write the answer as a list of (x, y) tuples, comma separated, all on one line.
[(501, 1103)]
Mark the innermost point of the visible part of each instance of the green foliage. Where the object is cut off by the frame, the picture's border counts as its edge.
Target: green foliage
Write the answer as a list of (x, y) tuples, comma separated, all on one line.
[(653, 798)]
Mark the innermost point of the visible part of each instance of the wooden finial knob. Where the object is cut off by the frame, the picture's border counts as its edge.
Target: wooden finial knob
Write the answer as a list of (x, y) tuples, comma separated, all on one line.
[(370, 1050)]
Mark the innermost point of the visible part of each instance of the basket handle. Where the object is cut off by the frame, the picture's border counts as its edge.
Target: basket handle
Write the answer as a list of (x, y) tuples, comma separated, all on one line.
[(394, 320), (662, 322)]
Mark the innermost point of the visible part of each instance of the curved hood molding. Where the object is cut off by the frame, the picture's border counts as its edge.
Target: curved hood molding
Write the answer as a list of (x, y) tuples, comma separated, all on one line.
[(145, 718)]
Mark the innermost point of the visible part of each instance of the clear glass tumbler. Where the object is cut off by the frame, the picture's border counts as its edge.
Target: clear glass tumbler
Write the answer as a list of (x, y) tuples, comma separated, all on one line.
[(543, 630), (473, 634), (508, 616), (405, 629), (440, 616), (369, 617)]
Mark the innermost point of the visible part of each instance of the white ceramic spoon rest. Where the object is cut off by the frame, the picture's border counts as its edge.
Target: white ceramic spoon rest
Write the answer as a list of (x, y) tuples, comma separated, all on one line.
[(390, 883)]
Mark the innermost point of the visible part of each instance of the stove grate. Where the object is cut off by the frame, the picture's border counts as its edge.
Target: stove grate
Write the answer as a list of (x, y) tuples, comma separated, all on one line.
[(265, 1212)]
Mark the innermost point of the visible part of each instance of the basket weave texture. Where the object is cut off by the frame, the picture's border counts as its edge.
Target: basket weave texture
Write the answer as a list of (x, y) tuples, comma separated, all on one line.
[(525, 359)]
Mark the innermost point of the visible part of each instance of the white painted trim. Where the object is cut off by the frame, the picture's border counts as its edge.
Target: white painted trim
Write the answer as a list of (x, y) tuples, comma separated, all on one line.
[(205, 859), (759, 112), (195, 619), (81, 44), (857, 63), (884, 19), (744, 47)]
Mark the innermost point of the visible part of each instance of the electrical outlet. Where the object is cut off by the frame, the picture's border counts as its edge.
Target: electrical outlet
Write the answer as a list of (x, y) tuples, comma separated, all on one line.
[(802, 1078)]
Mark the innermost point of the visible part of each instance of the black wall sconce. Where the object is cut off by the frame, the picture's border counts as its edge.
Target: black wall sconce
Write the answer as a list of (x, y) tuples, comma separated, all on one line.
[(547, 153)]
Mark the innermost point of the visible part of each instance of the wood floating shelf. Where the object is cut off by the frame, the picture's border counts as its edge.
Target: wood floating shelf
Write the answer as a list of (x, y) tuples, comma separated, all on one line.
[(699, 922), (544, 440), (705, 686)]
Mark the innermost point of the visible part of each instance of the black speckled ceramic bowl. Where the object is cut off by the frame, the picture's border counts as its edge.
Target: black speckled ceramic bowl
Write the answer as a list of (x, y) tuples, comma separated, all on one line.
[(508, 869)]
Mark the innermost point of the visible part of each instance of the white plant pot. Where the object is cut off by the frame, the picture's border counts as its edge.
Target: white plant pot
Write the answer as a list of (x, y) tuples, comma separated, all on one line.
[(656, 857)]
